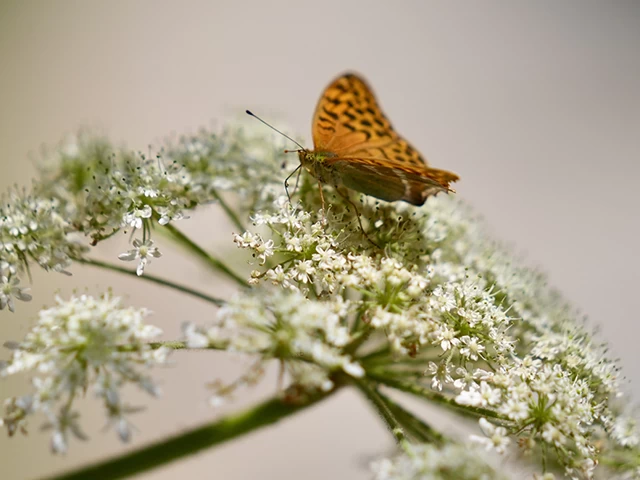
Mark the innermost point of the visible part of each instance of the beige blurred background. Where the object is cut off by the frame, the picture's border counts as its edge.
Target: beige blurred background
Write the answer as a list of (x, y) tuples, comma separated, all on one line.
[(535, 104)]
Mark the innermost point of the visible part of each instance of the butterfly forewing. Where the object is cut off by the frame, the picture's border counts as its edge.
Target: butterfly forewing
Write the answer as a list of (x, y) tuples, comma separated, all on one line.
[(364, 151), (348, 117)]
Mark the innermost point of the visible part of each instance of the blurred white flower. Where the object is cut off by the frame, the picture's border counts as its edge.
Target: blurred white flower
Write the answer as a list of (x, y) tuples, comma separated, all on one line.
[(430, 462), (495, 438), (9, 290), (81, 343)]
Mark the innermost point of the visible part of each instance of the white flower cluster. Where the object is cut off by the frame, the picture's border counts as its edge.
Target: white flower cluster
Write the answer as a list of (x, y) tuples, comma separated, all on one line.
[(87, 187), (307, 336), (102, 190), (405, 300), (247, 160), (450, 304), (418, 299), (429, 462), (558, 387), (32, 230), (81, 343)]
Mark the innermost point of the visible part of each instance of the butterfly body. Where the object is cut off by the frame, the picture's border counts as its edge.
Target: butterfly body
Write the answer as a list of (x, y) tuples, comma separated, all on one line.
[(318, 165), (356, 147)]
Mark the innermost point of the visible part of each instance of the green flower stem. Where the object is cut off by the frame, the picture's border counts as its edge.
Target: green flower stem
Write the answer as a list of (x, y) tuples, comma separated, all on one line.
[(170, 344), (213, 262), (417, 362), (417, 428), (173, 345), (151, 278), (190, 442), (382, 352), (436, 397), (230, 213), (359, 338), (620, 459), (378, 402), (404, 373)]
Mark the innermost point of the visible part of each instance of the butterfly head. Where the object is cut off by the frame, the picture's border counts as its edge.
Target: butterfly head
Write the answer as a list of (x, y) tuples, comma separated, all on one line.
[(310, 158), (307, 157), (303, 154), (315, 162)]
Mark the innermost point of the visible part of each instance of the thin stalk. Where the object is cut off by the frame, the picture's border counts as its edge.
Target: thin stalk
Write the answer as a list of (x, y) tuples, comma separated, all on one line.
[(374, 397), (406, 375), (170, 344), (213, 262), (154, 279), (620, 459), (189, 442), (419, 429), (230, 213), (375, 359), (383, 351), (360, 337)]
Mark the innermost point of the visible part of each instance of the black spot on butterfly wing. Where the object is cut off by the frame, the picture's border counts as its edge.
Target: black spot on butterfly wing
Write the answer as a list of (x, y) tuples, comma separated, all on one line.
[(333, 115)]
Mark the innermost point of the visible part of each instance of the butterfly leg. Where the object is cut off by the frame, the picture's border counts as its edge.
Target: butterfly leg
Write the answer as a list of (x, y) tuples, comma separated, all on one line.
[(346, 197), (286, 181)]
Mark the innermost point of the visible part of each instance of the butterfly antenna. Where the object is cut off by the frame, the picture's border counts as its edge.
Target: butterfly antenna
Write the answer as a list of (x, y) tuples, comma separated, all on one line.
[(249, 112)]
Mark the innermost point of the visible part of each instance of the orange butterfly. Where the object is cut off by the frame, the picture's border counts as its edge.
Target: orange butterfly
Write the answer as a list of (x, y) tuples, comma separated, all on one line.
[(356, 146)]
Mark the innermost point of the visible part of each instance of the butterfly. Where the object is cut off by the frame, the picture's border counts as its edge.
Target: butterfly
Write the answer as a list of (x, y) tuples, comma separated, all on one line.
[(355, 146)]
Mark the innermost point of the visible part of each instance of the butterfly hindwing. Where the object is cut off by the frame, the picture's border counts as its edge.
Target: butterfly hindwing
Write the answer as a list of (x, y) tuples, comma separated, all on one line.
[(378, 179)]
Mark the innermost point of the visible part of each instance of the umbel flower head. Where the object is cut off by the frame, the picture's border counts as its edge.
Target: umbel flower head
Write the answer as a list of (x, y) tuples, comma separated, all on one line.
[(81, 343), (444, 312), (417, 299)]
